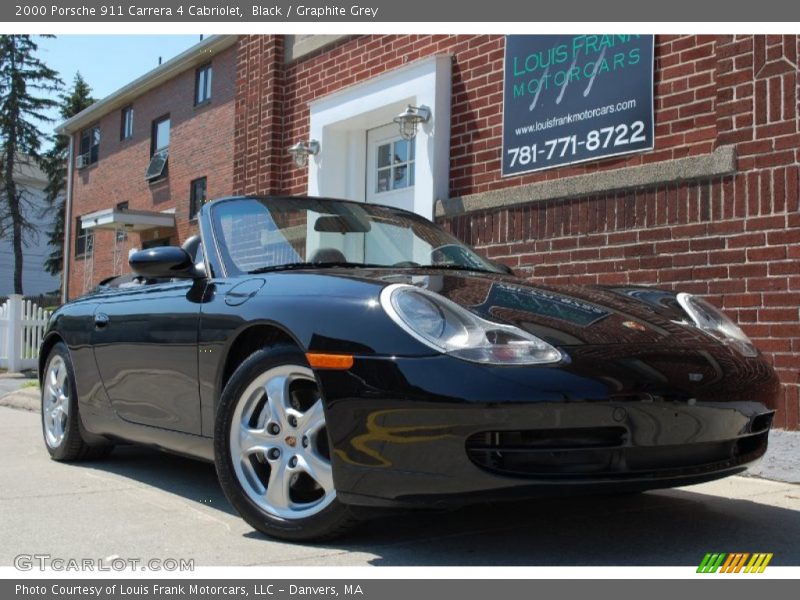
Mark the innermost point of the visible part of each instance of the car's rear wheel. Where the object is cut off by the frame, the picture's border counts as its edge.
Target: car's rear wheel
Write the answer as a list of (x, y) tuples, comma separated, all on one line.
[(64, 435), (272, 451)]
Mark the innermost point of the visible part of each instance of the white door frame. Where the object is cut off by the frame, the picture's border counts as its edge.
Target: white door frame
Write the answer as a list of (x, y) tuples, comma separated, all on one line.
[(340, 122)]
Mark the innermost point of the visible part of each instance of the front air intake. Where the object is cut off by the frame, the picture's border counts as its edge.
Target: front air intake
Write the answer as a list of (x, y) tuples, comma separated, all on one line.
[(545, 451), (605, 453)]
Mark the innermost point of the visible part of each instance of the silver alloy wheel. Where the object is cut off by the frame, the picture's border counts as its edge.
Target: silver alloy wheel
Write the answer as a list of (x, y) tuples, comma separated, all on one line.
[(55, 401), (267, 431)]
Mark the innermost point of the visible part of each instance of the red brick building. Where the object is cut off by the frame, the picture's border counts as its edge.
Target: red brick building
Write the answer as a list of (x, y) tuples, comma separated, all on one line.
[(183, 109), (712, 209)]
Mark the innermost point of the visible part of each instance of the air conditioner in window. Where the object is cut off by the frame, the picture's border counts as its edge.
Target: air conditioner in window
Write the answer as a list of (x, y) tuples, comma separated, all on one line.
[(157, 165), (82, 161)]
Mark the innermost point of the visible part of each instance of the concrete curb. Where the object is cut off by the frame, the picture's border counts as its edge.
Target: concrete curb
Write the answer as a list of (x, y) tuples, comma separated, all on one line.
[(25, 399), (17, 375)]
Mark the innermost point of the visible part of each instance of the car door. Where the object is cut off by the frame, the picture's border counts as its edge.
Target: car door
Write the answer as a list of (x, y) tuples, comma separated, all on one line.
[(145, 341)]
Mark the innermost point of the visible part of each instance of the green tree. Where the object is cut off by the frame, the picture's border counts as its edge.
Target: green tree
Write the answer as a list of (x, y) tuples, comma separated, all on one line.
[(23, 77), (77, 98)]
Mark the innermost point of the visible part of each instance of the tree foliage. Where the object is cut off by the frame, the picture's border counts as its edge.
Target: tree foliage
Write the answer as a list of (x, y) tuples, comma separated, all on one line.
[(25, 86), (77, 98)]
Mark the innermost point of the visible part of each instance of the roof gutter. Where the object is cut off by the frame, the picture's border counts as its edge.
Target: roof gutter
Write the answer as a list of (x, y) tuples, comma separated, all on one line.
[(194, 56)]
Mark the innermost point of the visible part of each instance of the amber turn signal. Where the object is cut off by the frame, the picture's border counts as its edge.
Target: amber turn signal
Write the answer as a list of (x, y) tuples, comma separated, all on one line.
[(329, 361)]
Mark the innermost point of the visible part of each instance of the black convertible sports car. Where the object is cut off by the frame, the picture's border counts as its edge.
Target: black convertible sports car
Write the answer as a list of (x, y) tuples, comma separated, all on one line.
[(329, 355)]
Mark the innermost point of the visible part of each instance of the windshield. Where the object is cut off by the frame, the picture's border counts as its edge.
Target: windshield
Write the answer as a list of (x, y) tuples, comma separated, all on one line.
[(259, 235)]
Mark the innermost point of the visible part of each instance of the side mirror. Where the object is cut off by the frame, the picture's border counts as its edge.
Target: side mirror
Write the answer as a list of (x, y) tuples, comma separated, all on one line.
[(163, 261)]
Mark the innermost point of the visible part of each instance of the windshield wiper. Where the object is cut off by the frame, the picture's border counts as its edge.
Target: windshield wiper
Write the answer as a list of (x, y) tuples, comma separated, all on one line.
[(357, 265), (449, 267), (312, 265)]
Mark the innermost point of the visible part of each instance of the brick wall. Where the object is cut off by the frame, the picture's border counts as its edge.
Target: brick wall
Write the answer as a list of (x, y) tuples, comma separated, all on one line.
[(201, 144), (734, 238), (686, 119), (259, 151)]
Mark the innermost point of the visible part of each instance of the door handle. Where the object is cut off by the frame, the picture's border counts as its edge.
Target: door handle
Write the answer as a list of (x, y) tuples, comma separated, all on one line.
[(100, 320)]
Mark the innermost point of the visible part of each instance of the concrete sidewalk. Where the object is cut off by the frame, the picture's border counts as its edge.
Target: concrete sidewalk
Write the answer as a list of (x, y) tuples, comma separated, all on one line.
[(143, 504), (782, 460)]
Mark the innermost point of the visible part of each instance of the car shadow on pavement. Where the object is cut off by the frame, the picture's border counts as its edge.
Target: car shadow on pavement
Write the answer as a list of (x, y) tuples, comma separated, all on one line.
[(191, 479), (660, 528), (666, 527)]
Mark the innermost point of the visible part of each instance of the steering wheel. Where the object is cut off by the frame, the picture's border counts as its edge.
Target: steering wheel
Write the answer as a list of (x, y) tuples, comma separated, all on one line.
[(439, 255)]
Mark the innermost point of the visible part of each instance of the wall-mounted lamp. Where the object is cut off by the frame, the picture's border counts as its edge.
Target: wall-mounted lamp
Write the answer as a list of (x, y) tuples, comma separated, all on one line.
[(302, 150), (410, 118)]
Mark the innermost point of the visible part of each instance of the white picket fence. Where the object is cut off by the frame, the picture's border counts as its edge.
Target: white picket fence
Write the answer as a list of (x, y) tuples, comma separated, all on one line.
[(22, 325)]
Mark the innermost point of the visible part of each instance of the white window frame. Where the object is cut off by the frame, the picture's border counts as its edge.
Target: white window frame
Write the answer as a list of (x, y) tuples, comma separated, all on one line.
[(409, 164), (203, 77)]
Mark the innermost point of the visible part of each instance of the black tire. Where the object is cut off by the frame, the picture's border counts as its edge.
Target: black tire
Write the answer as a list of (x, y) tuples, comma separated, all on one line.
[(331, 521), (72, 442)]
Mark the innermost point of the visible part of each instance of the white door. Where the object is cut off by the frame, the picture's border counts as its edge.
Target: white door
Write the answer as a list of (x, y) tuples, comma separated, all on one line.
[(390, 168), (390, 181)]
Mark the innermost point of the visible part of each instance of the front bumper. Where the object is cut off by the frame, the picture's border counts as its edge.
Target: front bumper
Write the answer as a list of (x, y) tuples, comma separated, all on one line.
[(437, 431)]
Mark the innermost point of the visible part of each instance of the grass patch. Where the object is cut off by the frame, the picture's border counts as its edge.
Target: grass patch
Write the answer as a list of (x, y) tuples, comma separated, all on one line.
[(30, 384)]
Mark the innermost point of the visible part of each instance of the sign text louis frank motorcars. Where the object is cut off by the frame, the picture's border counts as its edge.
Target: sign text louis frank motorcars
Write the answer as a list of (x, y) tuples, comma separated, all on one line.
[(573, 98)]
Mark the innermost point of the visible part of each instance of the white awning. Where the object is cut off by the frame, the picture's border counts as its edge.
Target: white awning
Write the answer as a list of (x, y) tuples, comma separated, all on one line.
[(127, 220)]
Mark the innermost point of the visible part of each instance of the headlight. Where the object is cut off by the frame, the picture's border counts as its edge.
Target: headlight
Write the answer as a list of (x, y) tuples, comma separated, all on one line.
[(447, 327), (713, 322)]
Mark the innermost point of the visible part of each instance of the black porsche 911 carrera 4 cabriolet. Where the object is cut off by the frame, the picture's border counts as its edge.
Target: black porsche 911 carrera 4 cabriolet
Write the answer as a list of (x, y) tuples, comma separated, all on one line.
[(329, 356)]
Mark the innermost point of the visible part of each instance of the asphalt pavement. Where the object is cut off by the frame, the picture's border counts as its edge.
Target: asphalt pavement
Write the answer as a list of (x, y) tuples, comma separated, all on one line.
[(143, 504)]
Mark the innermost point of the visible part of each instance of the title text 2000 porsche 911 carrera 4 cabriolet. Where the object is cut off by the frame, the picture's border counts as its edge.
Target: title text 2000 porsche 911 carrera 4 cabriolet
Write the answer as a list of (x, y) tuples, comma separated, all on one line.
[(329, 355)]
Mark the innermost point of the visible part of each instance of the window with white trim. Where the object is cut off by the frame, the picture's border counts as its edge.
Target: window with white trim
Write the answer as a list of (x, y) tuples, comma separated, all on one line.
[(89, 147), (84, 239), (202, 84), (394, 165), (126, 123)]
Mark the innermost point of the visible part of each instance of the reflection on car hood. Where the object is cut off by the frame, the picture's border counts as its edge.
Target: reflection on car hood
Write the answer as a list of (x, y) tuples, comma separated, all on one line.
[(563, 315)]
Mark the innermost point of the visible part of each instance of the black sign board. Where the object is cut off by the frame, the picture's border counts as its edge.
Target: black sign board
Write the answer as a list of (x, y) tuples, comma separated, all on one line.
[(573, 98)]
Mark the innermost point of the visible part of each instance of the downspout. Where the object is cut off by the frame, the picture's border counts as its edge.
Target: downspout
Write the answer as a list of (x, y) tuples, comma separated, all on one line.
[(67, 222)]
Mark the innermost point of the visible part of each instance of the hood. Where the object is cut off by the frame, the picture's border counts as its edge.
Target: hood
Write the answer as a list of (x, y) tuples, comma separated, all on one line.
[(567, 315), (635, 340)]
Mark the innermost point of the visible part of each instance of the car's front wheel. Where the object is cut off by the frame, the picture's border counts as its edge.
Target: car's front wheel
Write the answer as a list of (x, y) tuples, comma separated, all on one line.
[(271, 448)]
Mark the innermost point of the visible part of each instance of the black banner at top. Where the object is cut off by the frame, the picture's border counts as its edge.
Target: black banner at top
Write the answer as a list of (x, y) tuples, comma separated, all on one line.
[(341, 11)]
